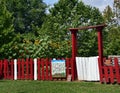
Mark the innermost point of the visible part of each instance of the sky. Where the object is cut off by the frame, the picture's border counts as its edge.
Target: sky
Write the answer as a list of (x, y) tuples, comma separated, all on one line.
[(101, 4)]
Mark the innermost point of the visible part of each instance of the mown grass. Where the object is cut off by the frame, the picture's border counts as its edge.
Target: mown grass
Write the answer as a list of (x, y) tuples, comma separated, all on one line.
[(8, 86)]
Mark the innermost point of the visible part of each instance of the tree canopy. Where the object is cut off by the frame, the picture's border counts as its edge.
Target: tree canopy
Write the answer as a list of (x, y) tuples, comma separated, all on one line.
[(6, 30), (28, 31), (28, 14), (74, 13)]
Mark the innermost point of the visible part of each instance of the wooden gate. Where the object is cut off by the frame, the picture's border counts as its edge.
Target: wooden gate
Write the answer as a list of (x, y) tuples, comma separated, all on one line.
[(109, 71)]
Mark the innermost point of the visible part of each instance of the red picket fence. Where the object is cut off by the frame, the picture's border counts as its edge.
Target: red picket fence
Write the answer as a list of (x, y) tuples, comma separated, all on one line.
[(25, 69), (6, 69), (110, 71)]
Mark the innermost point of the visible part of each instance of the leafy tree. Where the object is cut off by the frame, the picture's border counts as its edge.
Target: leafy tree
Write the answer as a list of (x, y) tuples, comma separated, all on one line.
[(116, 8), (29, 14), (113, 41), (6, 30), (108, 15), (73, 13)]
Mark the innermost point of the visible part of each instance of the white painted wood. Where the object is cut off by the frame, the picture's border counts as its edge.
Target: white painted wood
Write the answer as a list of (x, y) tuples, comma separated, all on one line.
[(87, 68), (35, 69), (15, 69)]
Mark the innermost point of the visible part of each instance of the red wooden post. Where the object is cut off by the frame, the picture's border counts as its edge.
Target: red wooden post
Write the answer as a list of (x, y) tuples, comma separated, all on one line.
[(100, 44), (100, 51), (74, 52)]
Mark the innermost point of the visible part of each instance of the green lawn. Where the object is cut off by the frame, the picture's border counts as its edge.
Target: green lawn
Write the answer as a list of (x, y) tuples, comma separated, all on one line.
[(8, 86)]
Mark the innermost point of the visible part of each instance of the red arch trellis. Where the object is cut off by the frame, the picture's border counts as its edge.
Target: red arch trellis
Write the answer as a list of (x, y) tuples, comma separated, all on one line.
[(74, 31)]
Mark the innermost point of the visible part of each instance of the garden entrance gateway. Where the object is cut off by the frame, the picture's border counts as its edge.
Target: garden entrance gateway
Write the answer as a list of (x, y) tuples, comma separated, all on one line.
[(109, 69), (74, 31)]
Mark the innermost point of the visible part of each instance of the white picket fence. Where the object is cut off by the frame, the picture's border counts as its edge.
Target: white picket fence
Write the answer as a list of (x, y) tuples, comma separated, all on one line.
[(87, 68)]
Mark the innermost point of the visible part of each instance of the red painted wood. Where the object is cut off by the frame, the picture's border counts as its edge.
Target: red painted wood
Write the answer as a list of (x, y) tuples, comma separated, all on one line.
[(117, 70), (50, 73), (38, 67), (101, 70), (0, 69), (42, 61), (19, 70), (74, 52), (67, 67), (74, 46), (111, 74), (100, 53), (89, 27), (23, 68), (31, 69), (100, 44), (12, 69), (47, 60), (5, 69), (27, 68), (106, 69)]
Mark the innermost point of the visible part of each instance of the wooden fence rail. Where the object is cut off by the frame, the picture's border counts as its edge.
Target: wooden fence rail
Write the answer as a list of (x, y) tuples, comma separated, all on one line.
[(30, 69)]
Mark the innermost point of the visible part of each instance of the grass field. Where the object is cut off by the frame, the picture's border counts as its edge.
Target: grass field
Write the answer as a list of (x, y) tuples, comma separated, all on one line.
[(8, 86)]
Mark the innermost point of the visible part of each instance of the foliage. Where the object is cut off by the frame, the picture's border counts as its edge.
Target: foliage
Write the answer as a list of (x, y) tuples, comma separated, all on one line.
[(74, 13), (108, 15), (40, 47), (7, 36), (41, 34), (113, 41), (117, 11), (112, 32), (28, 14)]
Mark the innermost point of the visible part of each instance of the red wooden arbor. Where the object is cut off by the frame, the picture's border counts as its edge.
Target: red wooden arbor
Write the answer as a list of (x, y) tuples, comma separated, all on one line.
[(74, 31)]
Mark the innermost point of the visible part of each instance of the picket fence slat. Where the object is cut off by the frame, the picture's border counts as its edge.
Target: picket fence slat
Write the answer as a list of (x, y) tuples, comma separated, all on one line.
[(1, 69), (39, 71), (35, 69), (111, 74), (22, 77)]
